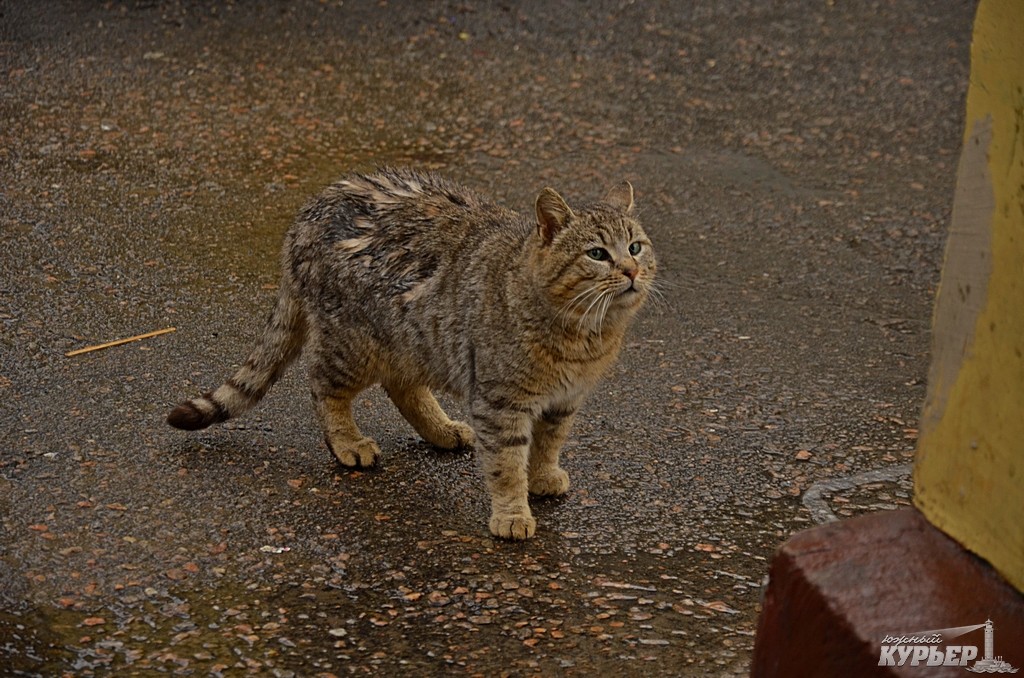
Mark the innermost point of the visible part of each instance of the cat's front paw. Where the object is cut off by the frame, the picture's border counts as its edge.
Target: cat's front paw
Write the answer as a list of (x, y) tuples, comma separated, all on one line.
[(551, 483), (355, 454), (512, 526)]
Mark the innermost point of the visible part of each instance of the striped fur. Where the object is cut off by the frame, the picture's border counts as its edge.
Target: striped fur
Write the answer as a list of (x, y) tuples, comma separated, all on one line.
[(407, 280), (281, 342)]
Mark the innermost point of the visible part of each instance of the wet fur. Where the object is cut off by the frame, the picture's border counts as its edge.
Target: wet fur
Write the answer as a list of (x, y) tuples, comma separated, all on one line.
[(413, 282)]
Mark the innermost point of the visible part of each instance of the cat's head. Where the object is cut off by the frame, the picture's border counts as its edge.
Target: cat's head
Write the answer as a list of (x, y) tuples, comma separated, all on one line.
[(597, 265)]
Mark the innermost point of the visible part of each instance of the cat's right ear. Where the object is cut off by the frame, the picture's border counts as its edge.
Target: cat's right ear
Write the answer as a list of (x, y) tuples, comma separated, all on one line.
[(552, 214)]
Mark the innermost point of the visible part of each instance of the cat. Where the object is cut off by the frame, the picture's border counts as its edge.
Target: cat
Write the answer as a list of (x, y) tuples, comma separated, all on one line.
[(408, 280)]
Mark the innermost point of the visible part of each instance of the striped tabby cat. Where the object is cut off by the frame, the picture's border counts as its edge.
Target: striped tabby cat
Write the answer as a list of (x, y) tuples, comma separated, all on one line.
[(407, 280)]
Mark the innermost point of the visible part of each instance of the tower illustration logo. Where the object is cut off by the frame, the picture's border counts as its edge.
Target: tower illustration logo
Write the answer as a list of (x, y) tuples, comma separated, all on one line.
[(932, 648), (991, 663)]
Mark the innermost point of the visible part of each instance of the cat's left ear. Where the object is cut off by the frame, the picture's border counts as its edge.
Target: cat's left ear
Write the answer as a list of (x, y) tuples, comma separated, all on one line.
[(552, 214), (620, 197)]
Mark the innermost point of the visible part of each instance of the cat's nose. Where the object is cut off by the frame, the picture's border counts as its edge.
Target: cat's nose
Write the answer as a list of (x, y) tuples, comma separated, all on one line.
[(630, 273)]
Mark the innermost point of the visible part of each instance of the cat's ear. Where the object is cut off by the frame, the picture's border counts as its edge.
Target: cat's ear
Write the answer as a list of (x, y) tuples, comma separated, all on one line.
[(552, 214), (620, 197)]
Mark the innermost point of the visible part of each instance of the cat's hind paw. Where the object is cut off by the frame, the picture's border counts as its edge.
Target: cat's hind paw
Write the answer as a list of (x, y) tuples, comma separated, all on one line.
[(509, 526), (455, 436), (551, 483), (462, 435), (362, 453)]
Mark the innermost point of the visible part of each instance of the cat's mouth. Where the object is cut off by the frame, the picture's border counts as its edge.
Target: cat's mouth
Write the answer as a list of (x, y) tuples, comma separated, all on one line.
[(631, 290), (627, 298)]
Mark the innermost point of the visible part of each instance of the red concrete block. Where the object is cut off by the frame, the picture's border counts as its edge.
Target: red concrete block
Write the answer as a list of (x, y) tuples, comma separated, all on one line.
[(837, 592)]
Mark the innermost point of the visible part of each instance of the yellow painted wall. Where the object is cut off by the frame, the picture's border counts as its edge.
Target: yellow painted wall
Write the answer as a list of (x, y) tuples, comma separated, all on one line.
[(969, 471)]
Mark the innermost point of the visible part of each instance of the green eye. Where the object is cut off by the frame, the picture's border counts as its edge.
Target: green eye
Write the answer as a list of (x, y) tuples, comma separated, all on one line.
[(635, 248), (598, 254)]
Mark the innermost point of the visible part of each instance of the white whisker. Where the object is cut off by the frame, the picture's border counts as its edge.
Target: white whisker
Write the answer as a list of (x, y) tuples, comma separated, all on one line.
[(576, 301), (603, 312), (597, 300), (656, 294)]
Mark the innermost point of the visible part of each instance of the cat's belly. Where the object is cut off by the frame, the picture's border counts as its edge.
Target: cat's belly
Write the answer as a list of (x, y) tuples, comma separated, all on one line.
[(433, 367)]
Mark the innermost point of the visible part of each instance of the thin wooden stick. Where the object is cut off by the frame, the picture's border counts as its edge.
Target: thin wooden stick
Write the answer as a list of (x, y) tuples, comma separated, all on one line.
[(118, 342)]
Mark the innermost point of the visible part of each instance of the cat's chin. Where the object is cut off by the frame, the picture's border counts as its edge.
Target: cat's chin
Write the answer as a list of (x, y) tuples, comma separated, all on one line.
[(630, 297), (623, 307)]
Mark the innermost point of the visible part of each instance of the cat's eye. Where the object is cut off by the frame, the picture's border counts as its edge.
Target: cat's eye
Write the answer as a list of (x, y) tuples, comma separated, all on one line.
[(635, 248), (598, 254)]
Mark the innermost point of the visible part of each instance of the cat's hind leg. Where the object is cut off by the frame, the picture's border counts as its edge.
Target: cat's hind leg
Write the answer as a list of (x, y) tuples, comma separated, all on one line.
[(421, 409), (333, 394)]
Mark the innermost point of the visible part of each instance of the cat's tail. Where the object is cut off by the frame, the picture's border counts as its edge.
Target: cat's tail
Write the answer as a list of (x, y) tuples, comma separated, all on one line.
[(281, 342)]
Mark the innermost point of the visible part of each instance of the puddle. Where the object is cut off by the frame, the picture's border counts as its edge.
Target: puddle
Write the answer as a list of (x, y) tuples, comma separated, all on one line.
[(33, 643)]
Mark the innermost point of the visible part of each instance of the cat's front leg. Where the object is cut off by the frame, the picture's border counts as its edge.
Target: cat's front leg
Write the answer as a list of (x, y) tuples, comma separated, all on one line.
[(546, 477), (503, 443)]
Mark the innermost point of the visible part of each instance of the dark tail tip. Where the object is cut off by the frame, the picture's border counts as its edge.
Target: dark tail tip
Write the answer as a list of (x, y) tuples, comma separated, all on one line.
[(188, 417)]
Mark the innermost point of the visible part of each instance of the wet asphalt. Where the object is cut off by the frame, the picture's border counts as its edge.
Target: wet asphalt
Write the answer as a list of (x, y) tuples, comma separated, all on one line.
[(794, 163)]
